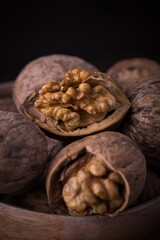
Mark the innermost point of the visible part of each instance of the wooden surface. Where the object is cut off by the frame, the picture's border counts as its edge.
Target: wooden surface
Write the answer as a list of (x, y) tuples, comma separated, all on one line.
[(141, 222), (6, 89)]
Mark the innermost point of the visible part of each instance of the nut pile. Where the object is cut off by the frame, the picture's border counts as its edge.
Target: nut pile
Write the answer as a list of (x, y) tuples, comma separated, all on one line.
[(74, 102), (93, 187), (104, 171)]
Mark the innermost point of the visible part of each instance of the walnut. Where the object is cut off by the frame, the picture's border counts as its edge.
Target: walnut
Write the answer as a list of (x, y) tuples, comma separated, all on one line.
[(7, 104), (125, 72), (72, 107), (99, 174), (143, 122), (41, 70), (23, 150)]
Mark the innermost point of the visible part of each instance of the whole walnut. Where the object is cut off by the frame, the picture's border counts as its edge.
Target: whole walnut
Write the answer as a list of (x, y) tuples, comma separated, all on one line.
[(23, 153), (125, 72), (41, 70), (142, 124)]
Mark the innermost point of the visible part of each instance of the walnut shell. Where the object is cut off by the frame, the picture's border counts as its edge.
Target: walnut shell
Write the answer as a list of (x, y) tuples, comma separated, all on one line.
[(116, 150), (23, 151), (143, 122), (41, 70), (126, 71), (110, 122)]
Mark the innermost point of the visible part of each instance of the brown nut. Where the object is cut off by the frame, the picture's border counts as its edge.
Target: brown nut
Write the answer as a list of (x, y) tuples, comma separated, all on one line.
[(87, 103), (41, 70), (143, 122), (99, 174), (23, 153), (125, 72)]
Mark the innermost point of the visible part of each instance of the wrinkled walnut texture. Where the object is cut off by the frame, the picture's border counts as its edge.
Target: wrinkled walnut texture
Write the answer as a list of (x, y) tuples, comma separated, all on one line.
[(23, 153), (75, 102), (125, 72), (93, 187), (142, 125)]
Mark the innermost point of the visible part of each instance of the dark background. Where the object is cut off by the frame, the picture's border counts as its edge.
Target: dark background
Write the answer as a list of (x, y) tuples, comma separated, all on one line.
[(101, 32)]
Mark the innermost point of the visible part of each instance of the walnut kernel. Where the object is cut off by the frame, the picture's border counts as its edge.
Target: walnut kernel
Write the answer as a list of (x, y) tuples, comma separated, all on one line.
[(95, 187), (74, 102)]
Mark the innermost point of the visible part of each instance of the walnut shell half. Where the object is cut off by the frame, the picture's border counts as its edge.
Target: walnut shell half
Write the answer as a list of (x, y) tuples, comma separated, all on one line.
[(108, 159), (23, 153), (142, 125), (95, 104), (43, 69)]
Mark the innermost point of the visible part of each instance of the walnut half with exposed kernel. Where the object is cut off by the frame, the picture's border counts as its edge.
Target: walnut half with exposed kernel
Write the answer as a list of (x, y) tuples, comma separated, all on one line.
[(99, 174), (82, 104)]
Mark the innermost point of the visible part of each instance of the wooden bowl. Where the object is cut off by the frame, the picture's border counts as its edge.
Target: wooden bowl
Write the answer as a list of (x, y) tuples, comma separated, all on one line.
[(140, 222), (6, 89)]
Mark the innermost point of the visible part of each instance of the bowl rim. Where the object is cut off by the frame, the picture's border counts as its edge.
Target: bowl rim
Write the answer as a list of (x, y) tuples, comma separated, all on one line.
[(129, 210)]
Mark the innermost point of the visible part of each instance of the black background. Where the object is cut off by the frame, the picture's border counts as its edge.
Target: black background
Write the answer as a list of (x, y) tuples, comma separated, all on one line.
[(101, 32)]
